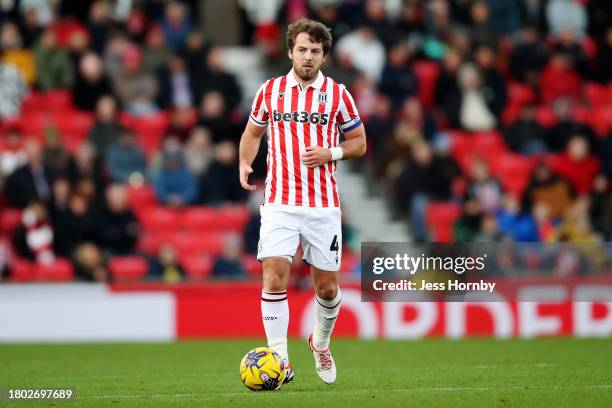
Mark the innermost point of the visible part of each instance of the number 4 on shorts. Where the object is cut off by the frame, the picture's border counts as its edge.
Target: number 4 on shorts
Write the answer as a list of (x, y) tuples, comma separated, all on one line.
[(334, 245)]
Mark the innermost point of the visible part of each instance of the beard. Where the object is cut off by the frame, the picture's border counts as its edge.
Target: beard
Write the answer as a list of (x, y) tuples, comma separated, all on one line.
[(306, 74)]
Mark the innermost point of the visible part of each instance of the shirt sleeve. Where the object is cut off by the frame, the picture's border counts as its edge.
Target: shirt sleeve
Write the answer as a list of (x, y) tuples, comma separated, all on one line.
[(348, 116), (259, 114)]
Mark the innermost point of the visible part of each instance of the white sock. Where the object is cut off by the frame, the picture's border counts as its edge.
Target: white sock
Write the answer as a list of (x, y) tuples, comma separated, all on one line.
[(275, 316), (326, 313)]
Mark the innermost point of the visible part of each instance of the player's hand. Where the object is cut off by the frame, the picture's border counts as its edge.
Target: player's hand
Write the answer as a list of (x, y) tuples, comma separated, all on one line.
[(316, 156), (245, 172)]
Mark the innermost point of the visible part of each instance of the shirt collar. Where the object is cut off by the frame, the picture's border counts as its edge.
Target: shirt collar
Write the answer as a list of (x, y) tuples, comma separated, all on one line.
[(318, 83)]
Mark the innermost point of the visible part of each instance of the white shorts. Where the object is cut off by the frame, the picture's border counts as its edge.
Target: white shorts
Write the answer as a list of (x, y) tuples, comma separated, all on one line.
[(318, 229)]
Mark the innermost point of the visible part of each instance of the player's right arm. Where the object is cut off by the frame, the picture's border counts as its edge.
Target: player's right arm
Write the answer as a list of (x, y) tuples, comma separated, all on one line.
[(251, 138), (249, 146)]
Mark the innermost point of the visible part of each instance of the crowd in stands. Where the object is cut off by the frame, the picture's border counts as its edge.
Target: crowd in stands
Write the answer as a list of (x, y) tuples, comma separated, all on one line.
[(486, 119)]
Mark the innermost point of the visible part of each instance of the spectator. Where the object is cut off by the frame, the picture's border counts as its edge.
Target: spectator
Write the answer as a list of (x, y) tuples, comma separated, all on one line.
[(216, 79), (175, 185), (489, 230), (482, 31), (175, 85), (91, 83), (90, 264), (525, 135), (214, 116), (229, 264), (33, 239), (570, 46), (566, 128), (167, 266), (124, 160), (548, 189), (379, 128), (468, 226), (12, 91), (365, 51), (32, 181), (414, 125), (421, 180), (528, 57), (12, 154), (195, 53), (106, 129), (176, 25), (493, 85), (220, 182), (54, 155), (485, 189), (53, 65), (199, 151), (136, 88), (182, 121), (601, 206), (82, 223), (514, 223), (604, 58), (562, 14), (578, 165), (398, 81), (476, 113), (84, 166), (447, 93), (560, 80), (505, 16), (14, 54), (156, 53), (99, 24), (59, 210), (119, 225)]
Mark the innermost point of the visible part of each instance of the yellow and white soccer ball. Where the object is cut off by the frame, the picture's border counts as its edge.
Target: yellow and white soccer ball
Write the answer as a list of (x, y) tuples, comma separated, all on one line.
[(262, 369)]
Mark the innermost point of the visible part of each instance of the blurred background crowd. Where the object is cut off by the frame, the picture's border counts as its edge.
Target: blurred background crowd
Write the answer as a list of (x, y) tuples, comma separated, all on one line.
[(487, 120)]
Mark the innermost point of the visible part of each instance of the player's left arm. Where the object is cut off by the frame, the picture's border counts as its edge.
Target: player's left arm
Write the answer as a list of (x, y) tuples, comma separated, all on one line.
[(354, 146)]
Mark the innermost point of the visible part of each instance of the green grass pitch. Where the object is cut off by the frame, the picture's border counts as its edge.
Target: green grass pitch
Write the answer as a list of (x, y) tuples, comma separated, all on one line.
[(426, 373)]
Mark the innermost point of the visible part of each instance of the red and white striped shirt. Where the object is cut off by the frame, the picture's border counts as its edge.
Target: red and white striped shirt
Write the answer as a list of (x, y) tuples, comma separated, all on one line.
[(297, 117)]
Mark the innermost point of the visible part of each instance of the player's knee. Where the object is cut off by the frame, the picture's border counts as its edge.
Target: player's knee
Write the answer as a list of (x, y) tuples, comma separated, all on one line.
[(327, 290)]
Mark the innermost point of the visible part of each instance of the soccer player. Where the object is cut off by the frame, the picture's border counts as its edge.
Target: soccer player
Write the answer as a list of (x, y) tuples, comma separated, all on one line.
[(304, 113)]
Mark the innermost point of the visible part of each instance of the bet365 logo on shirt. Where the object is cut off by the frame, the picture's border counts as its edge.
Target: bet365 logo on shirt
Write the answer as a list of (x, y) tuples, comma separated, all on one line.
[(315, 118)]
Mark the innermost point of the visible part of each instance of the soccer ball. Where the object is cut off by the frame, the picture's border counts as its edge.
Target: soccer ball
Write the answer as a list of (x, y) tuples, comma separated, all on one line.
[(262, 369)]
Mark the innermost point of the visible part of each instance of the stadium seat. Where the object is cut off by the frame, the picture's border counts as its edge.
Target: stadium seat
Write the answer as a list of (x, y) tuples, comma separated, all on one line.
[(199, 218), (150, 242), (58, 101), (159, 219), (128, 268), (208, 243), (232, 218), (520, 94), (34, 102), (149, 130), (22, 270), (427, 73), (197, 267), (60, 270), (142, 197), (252, 266), (595, 94), (440, 218), (514, 171), (9, 220)]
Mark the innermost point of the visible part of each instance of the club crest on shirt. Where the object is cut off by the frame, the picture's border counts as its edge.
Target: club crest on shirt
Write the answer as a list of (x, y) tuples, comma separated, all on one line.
[(281, 95), (323, 97)]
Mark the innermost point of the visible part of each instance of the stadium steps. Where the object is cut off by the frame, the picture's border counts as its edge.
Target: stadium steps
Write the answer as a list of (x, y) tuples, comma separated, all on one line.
[(369, 215)]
